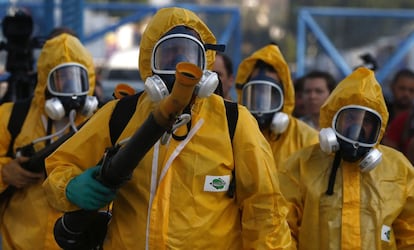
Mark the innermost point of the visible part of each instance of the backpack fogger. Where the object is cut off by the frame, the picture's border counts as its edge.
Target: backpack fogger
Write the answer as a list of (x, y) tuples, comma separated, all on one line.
[(119, 162)]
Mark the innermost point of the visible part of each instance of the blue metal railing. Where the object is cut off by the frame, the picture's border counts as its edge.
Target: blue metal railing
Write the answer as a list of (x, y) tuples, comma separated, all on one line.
[(72, 16), (307, 22)]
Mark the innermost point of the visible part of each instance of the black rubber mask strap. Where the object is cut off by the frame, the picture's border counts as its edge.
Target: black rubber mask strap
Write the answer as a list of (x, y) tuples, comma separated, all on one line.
[(332, 176)]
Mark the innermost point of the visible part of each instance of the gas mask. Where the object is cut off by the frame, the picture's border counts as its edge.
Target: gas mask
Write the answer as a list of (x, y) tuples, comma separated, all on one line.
[(263, 97), (68, 83), (355, 131), (167, 53)]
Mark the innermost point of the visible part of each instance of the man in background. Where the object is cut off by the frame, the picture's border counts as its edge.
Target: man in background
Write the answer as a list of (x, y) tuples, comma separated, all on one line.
[(317, 86), (223, 66), (402, 88)]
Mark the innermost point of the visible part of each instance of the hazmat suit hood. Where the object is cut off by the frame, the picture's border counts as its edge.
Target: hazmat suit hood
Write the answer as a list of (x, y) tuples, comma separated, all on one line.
[(271, 55), (61, 49), (163, 21), (359, 88)]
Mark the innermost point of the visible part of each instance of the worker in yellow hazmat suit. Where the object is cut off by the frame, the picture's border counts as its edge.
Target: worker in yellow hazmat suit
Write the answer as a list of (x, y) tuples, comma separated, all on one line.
[(349, 191), (62, 100), (264, 86), (177, 196)]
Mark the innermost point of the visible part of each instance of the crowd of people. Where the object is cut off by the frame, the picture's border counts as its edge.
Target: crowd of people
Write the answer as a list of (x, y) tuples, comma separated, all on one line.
[(304, 163)]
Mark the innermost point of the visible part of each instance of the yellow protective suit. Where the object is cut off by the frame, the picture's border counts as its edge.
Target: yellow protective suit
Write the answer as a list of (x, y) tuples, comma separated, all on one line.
[(169, 202), (27, 220), (370, 210), (298, 134)]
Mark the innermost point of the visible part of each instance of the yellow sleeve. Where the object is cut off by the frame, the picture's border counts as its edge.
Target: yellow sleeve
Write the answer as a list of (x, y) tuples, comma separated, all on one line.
[(289, 179), (263, 207), (403, 226), (5, 112), (82, 151)]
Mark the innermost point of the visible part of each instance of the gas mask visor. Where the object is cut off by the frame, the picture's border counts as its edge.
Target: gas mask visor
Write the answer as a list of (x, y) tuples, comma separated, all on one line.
[(357, 125), (262, 97), (175, 48), (68, 79)]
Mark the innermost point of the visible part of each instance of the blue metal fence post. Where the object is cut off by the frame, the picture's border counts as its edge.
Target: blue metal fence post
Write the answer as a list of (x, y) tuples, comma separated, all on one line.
[(72, 16), (48, 8), (402, 50), (301, 46)]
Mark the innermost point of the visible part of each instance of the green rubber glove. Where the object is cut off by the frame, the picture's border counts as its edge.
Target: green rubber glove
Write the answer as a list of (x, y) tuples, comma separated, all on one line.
[(88, 193)]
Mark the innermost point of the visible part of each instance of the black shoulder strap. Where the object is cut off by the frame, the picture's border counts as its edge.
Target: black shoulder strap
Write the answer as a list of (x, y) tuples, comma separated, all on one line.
[(232, 113), (126, 106), (17, 117), (121, 115)]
